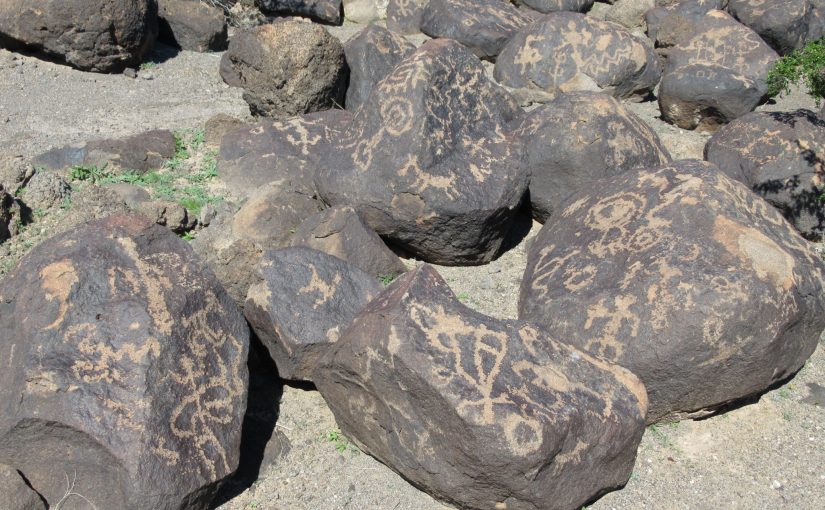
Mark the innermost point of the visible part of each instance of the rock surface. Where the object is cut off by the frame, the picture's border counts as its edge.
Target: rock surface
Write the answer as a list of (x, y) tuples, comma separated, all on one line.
[(17, 495), (328, 11), (783, 25), (568, 52), (304, 302), (781, 156), (127, 369), (683, 276), (404, 16), (91, 35), (193, 26), (371, 55), (286, 68), (448, 397), (577, 139), (669, 25), (546, 6), (141, 152), (426, 161)]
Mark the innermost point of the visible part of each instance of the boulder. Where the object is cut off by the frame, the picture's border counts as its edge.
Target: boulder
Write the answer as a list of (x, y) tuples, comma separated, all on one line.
[(578, 139), (193, 26), (341, 232), (426, 161), (365, 11), (683, 276), (628, 13), (126, 373), (12, 215), (286, 68), (46, 190), (141, 152), (404, 16), (15, 172), (546, 6), (304, 302), (567, 51), (92, 35), (782, 24), (484, 26), (17, 495), (669, 25), (218, 126), (448, 397), (371, 55), (716, 75), (327, 11), (781, 157)]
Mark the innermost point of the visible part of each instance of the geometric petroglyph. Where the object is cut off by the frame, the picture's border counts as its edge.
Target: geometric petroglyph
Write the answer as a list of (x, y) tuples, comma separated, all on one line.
[(372, 54)]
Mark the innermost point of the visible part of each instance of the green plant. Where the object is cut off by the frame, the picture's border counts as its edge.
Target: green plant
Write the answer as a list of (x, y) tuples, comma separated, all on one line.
[(91, 173), (386, 279), (806, 65), (341, 442), (187, 236), (463, 296), (145, 66)]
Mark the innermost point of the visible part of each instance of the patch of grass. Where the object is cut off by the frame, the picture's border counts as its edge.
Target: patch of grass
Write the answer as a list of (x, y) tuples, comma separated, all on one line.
[(386, 279), (89, 173), (784, 393), (463, 297), (340, 441), (806, 65), (145, 66), (187, 236)]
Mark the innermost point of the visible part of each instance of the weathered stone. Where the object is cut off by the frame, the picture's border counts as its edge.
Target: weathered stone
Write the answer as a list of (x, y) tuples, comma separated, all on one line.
[(426, 162), (670, 25), (341, 232), (484, 26), (683, 276), (132, 194), (450, 398), (218, 126), (628, 13), (781, 156), (279, 151), (193, 26), (141, 152), (578, 139), (716, 75), (782, 24), (15, 171), (567, 52), (365, 11), (286, 68), (91, 35), (305, 301), (404, 16), (16, 494), (127, 370), (46, 190), (371, 55), (328, 11), (172, 215), (546, 6)]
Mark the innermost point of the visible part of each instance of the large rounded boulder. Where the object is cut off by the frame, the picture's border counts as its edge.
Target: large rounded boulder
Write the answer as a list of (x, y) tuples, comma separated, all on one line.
[(327, 11), (577, 139), (566, 51), (92, 35), (780, 156), (286, 68), (450, 398), (371, 55), (685, 277), (782, 24), (426, 160), (124, 370)]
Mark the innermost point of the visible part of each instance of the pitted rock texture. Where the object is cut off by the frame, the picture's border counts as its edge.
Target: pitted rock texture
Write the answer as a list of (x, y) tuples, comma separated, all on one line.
[(426, 161), (286, 68), (371, 55), (341, 232), (628, 13), (45, 190), (232, 245), (669, 25), (683, 276), (448, 398), (303, 304), (92, 35), (404, 16), (567, 52), (716, 75), (781, 156), (193, 26), (141, 152), (546, 6), (328, 11), (16, 494), (277, 151), (125, 369), (12, 215), (579, 138), (783, 24), (484, 26)]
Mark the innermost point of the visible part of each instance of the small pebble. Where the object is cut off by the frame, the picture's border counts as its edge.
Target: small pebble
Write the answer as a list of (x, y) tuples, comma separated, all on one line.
[(776, 485)]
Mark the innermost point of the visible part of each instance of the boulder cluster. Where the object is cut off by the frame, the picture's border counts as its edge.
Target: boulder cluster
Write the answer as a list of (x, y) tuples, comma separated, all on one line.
[(656, 290)]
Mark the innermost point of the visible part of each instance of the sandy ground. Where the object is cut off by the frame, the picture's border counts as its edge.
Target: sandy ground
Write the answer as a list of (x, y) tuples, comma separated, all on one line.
[(767, 454)]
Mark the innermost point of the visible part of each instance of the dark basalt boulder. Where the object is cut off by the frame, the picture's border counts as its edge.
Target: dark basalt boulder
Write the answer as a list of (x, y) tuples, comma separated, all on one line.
[(545, 6), (567, 52), (579, 138), (426, 161), (780, 156), (782, 24), (372, 54), (716, 75), (140, 152), (17, 495), (669, 25), (484, 26), (193, 26), (685, 277), (404, 16), (125, 370), (449, 398), (341, 232), (305, 300), (103, 36), (328, 11)]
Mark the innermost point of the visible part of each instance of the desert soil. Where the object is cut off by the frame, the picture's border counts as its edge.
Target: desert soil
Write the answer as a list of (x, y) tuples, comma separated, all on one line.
[(769, 453)]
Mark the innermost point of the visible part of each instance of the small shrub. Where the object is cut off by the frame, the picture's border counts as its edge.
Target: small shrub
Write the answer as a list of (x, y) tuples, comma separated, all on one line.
[(806, 65)]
